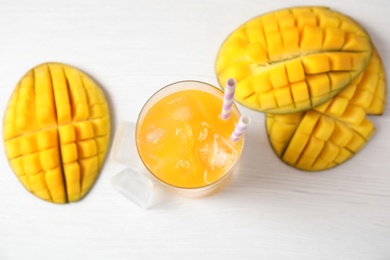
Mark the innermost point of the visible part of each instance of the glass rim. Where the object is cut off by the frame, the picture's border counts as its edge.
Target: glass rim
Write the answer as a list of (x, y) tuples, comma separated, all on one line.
[(234, 107)]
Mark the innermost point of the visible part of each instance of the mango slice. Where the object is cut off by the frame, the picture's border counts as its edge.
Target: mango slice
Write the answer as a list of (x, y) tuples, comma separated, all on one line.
[(293, 59), (372, 93), (56, 132), (331, 133)]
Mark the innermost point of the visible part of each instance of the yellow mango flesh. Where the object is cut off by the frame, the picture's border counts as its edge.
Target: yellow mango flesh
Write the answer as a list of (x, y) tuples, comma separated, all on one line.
[(372, 87), (331, 133), (56, 132), (293, 59)]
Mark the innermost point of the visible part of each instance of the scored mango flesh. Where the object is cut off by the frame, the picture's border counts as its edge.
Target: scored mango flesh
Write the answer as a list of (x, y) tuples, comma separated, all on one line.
[(56, 132), (372, 94), (293, 59), (330, 134)]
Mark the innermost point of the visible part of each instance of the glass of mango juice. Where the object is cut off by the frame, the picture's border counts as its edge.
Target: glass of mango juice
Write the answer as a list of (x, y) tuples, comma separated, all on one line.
[(183, 142), (182, 139)]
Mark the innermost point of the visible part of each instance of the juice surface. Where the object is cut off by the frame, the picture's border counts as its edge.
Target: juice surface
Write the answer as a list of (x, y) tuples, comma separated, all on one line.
[(184, 142)]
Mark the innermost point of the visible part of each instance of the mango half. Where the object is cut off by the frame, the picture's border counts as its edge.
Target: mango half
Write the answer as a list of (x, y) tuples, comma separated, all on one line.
[(293, 59), (56, 132), (332, 133)]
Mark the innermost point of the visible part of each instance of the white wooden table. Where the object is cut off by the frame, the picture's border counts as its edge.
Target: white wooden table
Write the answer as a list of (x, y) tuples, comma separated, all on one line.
[(268, 211)]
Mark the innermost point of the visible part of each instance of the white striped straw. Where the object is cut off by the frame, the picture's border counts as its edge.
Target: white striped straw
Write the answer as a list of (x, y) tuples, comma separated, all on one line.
[(240, 129), (228, 98)]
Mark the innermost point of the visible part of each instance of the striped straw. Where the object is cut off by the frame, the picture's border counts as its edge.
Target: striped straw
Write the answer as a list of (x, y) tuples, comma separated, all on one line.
[(228, 98), (240, 128)]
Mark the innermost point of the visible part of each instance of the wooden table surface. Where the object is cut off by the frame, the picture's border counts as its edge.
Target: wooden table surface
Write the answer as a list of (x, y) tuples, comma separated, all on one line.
[(268, 211)]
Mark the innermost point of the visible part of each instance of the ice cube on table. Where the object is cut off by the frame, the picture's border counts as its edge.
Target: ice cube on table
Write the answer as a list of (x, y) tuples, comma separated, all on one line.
[(124, 147), (134, 186)]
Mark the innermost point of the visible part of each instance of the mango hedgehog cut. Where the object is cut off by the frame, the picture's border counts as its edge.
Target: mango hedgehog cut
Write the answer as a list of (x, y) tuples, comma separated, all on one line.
[(56, 131), (332, 133), (293, 59)]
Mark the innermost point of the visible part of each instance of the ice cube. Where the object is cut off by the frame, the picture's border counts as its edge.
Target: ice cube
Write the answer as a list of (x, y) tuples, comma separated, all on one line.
[(182, 163), (185, 107), (182, 114), (155, 135), (203, 131), (214, 151), (174, 145), (134, 186), (184, 134), (223, 153)]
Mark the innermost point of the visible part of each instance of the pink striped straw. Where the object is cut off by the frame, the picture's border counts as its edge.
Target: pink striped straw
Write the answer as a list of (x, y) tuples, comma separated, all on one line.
[(240, 128), (228, 98)]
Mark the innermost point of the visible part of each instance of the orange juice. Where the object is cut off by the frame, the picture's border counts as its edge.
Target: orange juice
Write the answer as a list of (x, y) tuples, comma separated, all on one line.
[(181, 138)]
